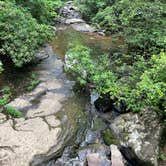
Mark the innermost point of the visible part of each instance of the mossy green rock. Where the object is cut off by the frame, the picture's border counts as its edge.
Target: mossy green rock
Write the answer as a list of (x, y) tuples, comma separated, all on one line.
[(109, 138)]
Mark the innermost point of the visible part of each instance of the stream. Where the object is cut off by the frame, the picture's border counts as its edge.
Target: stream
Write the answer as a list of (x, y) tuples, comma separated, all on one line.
[(84, 132), (92, 130), (61, 126)]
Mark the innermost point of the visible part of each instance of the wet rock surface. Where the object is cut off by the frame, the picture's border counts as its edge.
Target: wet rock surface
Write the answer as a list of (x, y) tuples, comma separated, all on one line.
[(38, 136), (45, 136), (93, 155), (139, 136), (70, 15), (91, 150), (116, 156), (69, 10)]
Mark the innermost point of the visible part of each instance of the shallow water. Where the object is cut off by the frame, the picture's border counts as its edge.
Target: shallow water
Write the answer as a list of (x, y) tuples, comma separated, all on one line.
[(99, 44), (76, 113), (19, 79)]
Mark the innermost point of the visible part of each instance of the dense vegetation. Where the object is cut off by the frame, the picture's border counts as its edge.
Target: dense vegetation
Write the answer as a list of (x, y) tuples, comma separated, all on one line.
[(135, 79), (143, 86), (142, 23), (43, 10), (24, 27)]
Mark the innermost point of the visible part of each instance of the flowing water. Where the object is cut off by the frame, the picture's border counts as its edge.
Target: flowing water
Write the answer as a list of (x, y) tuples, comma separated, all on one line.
[(90, 133), (88, 127)]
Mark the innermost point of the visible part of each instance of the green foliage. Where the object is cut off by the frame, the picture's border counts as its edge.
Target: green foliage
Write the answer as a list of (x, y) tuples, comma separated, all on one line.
[(152, 85), (109, 138), (43, 10), (150, 88), (80, 62), (34, 82), (90, 7), (20, 34), (144, 86), (5, 95), (136, 79), (142, 23), (9, 110), (1, 67)]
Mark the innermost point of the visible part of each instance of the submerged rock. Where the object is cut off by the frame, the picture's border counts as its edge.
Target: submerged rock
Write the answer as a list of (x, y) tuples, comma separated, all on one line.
[(93, 155), (92, 137), (100, 149), (138, 136)]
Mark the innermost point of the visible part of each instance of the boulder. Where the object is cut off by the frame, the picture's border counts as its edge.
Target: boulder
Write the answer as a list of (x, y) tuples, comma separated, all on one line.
[(116, 156), (69, 11), (139, 136)]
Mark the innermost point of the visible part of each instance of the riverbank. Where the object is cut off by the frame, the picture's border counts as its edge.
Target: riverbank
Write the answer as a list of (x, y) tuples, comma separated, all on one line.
[(62, 127)]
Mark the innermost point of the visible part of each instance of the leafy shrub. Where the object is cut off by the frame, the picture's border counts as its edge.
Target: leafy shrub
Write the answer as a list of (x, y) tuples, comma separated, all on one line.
[(9, 110), (144, 87), (44, 11), (80, 62), (142, 22), (34, 82), (90, 7), (1, 67), (20, 34), (108, 20), (6, 95)]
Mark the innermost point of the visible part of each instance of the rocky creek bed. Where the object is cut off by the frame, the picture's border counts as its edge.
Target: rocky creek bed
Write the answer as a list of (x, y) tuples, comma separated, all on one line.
[(61, 126)]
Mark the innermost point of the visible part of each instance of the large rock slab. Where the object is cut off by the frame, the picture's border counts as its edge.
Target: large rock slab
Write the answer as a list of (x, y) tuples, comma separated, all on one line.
[(138, 136), (19, 144), (38, 136)]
